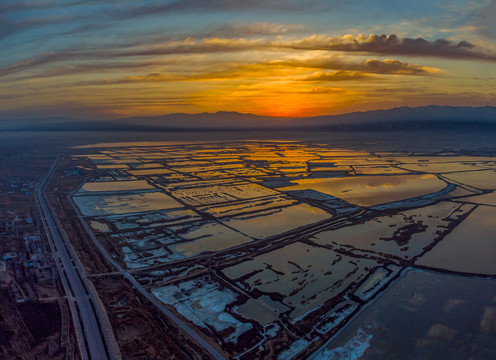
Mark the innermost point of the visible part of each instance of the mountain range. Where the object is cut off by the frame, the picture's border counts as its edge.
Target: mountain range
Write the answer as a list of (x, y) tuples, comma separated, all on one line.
[(401, 118)]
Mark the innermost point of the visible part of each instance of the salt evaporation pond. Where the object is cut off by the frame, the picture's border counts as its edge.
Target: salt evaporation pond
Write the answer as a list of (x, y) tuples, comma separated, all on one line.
[(203, 303), (104, 186), (275, 221), (124, 203), (263, 310), (405, 234), (477, 179), (378, 170), (208, 237), (441, 167), (372, 190), (145, 172), (486, 199), (470, 247)]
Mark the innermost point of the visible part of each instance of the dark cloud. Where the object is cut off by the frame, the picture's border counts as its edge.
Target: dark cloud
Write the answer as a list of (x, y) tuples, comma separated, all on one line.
[(391, 66), (393, 45), (371, 66)]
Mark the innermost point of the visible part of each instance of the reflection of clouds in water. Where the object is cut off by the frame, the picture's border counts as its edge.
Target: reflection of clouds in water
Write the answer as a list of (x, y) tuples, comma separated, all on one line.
[(392, 181), (372, 190), (347, 184)]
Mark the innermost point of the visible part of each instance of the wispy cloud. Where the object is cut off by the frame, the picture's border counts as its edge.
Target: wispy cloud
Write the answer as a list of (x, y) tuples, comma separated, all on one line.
[(42, 59), (372, 44), (136, 10), (7, 6), (17, 16), (341, 75), (9, 27), (227, 71), (464, 28), (252, 29)]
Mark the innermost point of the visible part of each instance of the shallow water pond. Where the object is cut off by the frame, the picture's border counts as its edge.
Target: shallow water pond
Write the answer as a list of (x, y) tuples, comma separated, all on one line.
[(404, 235), (372, 190), (275, 221), (207, 237), (93, 205), (477, 179), (103, 186), (463, 251)]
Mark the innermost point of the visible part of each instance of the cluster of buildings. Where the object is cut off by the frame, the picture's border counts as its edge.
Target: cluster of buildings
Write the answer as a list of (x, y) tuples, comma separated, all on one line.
[(26, 264)]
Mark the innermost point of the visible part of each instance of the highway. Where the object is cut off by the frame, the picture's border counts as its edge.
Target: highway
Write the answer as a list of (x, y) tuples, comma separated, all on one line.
[(93, 331)]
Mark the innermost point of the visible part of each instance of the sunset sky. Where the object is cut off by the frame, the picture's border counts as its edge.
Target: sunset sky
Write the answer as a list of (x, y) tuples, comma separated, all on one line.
[(107, 59)]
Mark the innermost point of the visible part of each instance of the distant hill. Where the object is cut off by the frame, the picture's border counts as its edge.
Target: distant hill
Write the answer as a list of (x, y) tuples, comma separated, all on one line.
[(401, 118), (411, 118)]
